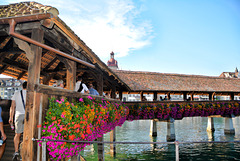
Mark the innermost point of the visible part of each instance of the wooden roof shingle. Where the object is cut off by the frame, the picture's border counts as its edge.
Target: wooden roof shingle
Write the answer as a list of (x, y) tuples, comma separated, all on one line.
[(153, 81)]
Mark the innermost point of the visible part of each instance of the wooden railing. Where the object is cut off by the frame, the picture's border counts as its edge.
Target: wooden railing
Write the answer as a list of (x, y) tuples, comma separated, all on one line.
[(65, 93), (177, 102)]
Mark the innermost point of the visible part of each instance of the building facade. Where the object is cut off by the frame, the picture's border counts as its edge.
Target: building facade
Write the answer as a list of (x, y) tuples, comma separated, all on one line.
[(8, 86)]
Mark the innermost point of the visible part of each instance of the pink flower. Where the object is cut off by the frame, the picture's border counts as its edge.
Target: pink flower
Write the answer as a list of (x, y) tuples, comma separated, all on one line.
[(80, 100), (89, 97), (62, 115)]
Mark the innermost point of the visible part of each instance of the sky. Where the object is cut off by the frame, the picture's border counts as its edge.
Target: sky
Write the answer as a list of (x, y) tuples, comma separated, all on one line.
[(197, 37)]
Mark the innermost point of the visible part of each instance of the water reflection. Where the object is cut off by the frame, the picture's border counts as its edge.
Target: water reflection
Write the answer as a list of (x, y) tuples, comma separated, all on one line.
[(188, 129)]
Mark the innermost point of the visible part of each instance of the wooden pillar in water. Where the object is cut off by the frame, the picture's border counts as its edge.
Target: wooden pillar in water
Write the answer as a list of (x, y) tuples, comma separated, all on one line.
[(32, 108), (229, 129), (210, 126), (113, 146), (100, 150), (170, 130), (153, 128)]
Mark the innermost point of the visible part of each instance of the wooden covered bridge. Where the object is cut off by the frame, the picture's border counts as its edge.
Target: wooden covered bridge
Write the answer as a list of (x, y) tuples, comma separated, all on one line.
[(37, 46)]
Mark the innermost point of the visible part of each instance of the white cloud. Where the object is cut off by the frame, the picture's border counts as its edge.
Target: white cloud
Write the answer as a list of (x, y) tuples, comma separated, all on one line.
[(105, 25)]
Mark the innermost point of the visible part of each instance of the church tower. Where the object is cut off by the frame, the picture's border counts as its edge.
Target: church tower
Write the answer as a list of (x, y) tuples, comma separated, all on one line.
[(112, 63)]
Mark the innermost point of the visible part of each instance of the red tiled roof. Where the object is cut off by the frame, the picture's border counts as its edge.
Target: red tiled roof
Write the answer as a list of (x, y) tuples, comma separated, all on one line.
[(151, 81), (112, 62)]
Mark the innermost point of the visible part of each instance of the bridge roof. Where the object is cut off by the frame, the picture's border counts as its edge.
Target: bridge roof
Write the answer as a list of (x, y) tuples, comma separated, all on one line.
[(57, 34), (153, 81)]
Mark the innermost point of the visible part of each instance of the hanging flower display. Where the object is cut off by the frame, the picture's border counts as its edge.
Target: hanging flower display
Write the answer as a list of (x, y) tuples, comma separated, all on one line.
[(84, 120), (178, 111)]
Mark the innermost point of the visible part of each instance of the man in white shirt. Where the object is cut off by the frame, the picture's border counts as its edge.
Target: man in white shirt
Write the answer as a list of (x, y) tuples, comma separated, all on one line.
[(18, 107), (81, 87)]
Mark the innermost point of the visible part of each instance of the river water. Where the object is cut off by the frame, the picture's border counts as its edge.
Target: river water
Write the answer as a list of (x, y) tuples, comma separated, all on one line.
[(187, 129)]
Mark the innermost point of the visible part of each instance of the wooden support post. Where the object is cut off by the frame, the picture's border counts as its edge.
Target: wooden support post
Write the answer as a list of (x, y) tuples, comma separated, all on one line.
[(42, 113), (229, 129), (211, 96), (184, 96), (120, 95), (232, 96), (168, 96), (113, 92), (100, 84), (113, 146), (192, 97), (29, 151), (100, 150), (71, 75), (210, 126), (153, 128), (141, 95), (154, 96), (170, 130)]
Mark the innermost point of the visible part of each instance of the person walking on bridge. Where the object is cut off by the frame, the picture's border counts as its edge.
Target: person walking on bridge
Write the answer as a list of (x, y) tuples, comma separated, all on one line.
[(18, 108), (3, 136)]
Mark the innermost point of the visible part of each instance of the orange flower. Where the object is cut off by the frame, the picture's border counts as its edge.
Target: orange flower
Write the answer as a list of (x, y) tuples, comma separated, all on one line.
[(83, 136), (71, 137)]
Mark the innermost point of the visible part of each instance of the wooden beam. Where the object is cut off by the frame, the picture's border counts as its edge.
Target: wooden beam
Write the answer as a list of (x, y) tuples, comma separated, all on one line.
[(21, 75), (10, 62), (50, 64), (32, 104), (4, 43)]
